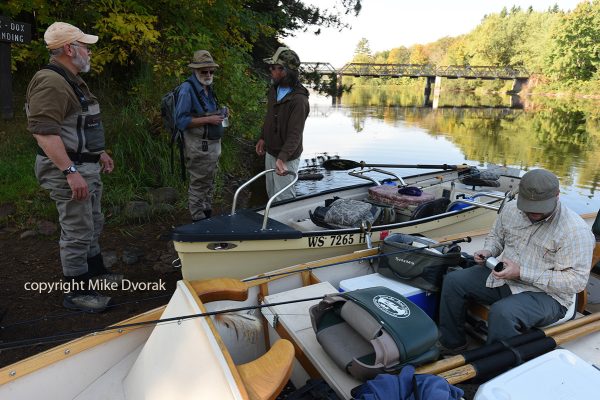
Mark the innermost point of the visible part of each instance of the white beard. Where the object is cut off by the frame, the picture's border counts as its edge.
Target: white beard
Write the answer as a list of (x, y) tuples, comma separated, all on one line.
[(82, 63), (203, 79)]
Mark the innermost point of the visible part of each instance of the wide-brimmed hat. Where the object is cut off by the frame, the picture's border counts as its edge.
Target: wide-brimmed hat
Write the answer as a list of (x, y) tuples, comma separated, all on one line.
[(538, 192), (60, 33), (286, 57), (202, 59)]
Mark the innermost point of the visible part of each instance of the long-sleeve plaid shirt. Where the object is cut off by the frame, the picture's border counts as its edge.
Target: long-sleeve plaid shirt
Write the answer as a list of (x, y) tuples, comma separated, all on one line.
[(554, 255)]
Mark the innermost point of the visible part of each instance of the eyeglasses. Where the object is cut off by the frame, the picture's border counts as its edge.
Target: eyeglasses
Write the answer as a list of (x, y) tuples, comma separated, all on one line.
[(276, 67), (83, 46), (207, 72)]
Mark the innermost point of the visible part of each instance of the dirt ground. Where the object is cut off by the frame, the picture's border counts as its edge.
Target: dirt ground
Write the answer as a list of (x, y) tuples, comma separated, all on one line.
[(27, 314)]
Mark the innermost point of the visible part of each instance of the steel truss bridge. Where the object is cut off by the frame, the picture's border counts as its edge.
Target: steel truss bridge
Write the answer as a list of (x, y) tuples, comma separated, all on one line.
[(432, 73)]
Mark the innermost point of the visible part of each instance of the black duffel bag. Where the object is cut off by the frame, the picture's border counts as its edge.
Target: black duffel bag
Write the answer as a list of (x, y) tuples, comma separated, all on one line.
[(423, 268)]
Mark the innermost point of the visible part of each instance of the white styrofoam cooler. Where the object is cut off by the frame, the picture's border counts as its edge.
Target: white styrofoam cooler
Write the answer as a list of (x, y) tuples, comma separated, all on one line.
[(556, 375), (427, 301)]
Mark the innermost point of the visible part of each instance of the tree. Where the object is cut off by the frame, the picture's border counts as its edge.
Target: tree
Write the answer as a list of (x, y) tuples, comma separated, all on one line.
[(399, 55), (575, 52), (362, 53)]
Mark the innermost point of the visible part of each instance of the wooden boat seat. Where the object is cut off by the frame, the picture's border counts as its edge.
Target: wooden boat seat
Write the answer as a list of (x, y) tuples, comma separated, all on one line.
[(292, 321), (266, 376)]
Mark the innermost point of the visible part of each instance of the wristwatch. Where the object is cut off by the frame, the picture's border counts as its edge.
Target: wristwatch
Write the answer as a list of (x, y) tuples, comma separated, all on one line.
[(70, 170)]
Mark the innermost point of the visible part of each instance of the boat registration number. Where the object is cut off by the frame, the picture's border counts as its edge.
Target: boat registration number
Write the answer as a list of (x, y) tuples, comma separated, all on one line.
[(336, 240)]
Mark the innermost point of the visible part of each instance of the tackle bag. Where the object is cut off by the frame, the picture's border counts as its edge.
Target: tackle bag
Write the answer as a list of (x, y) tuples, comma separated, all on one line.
[(372, 331), (423, 268), (474, 177), (344, 213)]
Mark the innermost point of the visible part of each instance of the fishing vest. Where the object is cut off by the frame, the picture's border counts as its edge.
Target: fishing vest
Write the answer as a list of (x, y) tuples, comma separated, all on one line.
[(423, 268), (206, 131), (371, 331), (81, 132)]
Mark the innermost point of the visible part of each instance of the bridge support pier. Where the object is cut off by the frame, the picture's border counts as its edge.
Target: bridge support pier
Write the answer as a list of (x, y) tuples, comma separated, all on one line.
[(429, 81), (436, 92), (517, 85)]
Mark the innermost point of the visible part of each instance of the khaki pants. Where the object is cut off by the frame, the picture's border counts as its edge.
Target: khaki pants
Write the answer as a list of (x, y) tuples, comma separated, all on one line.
[(202, 168), (81, 222), (276, 182)]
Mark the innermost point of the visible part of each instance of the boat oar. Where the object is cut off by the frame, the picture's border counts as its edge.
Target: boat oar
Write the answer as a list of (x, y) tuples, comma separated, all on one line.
[(339, 164), (504, 360), (489, 350)]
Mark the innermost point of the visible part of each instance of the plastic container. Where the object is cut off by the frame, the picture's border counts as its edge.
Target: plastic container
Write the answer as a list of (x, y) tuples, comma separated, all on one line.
[(557, 375), (426, 301)]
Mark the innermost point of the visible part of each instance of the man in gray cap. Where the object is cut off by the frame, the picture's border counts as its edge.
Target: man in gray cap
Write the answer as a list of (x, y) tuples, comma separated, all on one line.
[(64, 118), (546, 252), (287, 109), (200, 119)]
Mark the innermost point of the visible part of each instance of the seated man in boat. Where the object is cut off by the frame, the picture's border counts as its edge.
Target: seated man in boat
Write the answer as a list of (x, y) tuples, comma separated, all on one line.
[(547, 252)]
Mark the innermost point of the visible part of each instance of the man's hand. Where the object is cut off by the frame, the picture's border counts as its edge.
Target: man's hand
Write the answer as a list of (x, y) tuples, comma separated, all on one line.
[(511, 270), (107, 163), (260, 147), (280, 167), (79, 186), (481, 255), (215, 119)]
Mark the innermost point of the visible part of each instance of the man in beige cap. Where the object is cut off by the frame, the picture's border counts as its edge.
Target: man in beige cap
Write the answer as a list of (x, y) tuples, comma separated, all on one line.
[(546, 252), (287, 109), (64, 118), (200, 118)]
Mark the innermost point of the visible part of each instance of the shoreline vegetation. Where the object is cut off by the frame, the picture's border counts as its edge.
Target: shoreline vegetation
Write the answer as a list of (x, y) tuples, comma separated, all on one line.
[(144, 49)]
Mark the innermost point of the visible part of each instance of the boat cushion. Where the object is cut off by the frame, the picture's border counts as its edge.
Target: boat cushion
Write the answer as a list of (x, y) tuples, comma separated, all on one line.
[(422, 268), (403, 203), (382, 331)]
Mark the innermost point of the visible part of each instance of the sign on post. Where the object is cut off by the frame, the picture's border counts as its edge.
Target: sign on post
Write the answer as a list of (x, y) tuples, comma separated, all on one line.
[(10, 32)]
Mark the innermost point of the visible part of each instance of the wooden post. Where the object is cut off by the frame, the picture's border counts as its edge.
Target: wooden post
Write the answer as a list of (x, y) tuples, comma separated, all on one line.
[(6, 92)]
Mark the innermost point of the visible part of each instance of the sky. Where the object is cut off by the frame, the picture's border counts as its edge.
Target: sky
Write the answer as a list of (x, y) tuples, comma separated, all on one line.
[(393, 23)]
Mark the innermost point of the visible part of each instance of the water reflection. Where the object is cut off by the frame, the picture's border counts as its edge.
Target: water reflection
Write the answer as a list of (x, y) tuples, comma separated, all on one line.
[(388, 125)]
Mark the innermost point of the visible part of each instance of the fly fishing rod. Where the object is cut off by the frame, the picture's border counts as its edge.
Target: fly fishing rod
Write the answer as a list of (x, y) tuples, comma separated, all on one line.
[(489, 350), (507, 359)]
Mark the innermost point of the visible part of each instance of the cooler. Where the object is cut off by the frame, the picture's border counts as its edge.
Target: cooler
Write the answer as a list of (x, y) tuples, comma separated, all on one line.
[(427, 301), (557, 375)]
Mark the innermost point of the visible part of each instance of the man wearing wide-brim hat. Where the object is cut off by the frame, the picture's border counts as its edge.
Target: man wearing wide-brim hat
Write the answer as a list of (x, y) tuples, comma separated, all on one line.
[(546, 250), (287, 109), (201, 120), (64, 118)]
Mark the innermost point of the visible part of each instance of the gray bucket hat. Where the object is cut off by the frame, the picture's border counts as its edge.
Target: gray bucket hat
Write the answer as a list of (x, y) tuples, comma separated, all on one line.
[(202, 59), (538, 192)]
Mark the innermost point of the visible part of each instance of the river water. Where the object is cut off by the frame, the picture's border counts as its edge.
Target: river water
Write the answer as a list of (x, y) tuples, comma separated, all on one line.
[(379, 125)]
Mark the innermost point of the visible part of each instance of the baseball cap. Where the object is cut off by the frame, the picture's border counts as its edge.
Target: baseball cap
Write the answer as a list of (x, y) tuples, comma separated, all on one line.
[(538, 192), (286, 57), (60, 33)]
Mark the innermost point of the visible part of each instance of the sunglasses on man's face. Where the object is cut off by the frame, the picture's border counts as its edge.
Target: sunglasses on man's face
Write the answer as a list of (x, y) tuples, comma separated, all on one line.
[(275, 67), (207, 72)]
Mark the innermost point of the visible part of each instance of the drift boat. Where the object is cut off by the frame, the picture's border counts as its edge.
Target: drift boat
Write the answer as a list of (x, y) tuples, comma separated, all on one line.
[(231, 339), (450, 200)]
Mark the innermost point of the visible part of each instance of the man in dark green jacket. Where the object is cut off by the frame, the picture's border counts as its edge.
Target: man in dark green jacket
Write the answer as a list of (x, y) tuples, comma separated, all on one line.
[(287, 109)]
